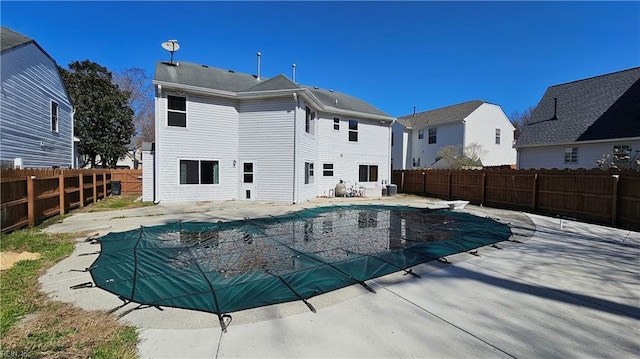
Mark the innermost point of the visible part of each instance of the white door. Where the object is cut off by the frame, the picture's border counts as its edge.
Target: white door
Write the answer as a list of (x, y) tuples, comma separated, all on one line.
[(248, 186)]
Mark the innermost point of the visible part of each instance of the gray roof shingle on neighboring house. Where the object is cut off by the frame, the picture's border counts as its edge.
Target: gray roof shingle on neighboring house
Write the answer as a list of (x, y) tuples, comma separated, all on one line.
[(227, 80), (440, 116), (596, 108), (10, 39)]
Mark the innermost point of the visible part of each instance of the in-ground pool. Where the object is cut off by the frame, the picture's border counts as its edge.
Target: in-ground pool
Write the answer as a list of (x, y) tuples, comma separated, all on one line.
[(225, 267)]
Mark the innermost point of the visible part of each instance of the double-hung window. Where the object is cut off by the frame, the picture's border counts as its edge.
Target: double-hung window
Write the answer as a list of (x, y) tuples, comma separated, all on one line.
[(433, 134), (336, 123), (308, 122), (308, 172), (571, 155), (621, 152), (176, 111), (420, 134), (497, 136), (368, 173), (327, 169), (199, 172), (353, 130), (54, 116)]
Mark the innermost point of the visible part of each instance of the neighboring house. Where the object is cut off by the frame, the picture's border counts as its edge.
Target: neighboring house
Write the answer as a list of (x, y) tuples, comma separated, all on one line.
[(36, 114), (577, 123), (418, 138), (132, 160), (224, 135)]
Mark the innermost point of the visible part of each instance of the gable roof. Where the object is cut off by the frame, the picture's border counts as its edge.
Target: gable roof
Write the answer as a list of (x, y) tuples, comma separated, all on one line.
[(441, 116), (10, 39), (235, 83), (596, 108)]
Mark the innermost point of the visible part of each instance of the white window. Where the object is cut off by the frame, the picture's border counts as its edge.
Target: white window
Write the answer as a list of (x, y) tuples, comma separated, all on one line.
[(433, 133), (54, 116), (353, 130), (416, 162), (327, 169), (336, 123), (177, 111), (199, 172), (308, 122), (497, 136), (571, 155), (621, 152), (368, 173), (247, 176), (308, 172), (420, 134)]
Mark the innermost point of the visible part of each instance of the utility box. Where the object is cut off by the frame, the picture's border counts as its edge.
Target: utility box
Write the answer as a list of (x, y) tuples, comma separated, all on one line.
[(392, 190), (116, 188)]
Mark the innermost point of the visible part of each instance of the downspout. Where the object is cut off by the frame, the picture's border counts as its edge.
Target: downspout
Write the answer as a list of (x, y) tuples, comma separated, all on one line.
[(390, 151), (295, 148), (156, 152)]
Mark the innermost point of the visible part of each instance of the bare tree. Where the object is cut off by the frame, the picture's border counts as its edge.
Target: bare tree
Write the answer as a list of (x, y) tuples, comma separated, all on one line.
[(519, 120), (458, 159), (138, 84)]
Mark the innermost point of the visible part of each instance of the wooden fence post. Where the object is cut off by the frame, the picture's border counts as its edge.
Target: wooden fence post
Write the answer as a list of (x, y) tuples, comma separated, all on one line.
[(104, 185), (424, 182), (535, 192), (95, 187), (484, 175), (81, 184), (402, 182), (31, 198), (449, 185), (614, 202), (61, 194)]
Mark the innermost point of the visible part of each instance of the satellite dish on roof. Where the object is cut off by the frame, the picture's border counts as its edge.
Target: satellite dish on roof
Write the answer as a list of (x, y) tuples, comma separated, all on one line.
[(171, 46)]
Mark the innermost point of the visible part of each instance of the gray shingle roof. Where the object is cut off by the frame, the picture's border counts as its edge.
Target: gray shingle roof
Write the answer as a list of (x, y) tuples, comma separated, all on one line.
[(214, 78), (10, 39), (440, 116), (596, 108)]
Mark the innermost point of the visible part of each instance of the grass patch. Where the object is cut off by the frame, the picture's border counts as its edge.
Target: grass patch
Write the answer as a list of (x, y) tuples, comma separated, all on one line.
[(111, 203), (33, 326)]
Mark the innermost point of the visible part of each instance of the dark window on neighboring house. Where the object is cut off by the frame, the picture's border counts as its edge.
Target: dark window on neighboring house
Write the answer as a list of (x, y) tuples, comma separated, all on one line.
[(308, 172), (308, 122), (199, 172), (336, 123), (177, 111), (368, 173), (420, 134), (247, 177), (54, 116), (433, 133), (327, 169), (497, 136), (353, 131), (571, 155), (416, 162), (621, 152)]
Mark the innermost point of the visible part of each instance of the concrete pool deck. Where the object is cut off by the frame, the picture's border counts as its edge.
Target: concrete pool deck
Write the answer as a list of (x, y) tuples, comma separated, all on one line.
[(564, 289)]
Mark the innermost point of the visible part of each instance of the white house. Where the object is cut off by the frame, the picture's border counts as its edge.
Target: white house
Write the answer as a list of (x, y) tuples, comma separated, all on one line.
[(578, 123), (224, 135), (418, 138), (36, 114)]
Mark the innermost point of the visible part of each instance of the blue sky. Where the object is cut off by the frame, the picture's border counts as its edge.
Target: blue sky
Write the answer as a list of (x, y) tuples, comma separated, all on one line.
[(395, 55)]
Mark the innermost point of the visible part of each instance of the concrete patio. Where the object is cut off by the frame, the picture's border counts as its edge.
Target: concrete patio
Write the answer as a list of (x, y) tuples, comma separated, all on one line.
[(559, 288)]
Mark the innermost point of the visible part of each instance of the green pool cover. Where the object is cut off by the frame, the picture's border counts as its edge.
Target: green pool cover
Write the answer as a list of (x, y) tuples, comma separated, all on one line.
[(225, 267)]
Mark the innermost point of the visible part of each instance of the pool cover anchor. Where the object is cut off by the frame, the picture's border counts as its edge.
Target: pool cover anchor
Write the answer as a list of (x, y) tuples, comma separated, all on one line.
[(224, 325), (140, 306), (125, 303), (410, 271), (82, 285)]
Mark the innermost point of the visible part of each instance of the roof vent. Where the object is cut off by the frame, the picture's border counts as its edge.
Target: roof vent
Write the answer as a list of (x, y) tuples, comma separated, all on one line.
[(316, 87), (293, 72), (259, 54), (414, 111), (233, 72), (330, 90), (205, 66), (555, 109)]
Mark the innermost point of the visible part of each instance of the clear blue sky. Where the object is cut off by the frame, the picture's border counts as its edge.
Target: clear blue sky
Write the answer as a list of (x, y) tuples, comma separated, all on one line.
[(395, 55)]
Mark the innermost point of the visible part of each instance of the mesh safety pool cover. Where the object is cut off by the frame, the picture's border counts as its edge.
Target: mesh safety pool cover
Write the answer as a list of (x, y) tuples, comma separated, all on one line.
[(230, 266)]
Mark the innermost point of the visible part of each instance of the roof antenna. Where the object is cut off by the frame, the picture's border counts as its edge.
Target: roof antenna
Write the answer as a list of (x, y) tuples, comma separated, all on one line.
[(259, 54), (293, 72), (555, 108), (414, 111), (171, 46)]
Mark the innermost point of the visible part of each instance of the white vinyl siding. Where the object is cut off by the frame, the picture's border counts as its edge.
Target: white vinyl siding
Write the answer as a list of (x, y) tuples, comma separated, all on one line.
[(30, 82), (486, 126), (553, 156), (212, 134)]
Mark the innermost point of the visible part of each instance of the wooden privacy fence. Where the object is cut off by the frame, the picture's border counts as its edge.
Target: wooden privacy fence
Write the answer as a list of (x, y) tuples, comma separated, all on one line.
[(131, 180), (30, 196), (608, 197)]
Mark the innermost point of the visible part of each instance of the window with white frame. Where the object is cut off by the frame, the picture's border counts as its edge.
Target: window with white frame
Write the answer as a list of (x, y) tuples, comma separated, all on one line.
[(176, 111), (199, 172), (621, 152), (497, 136), (368, 173), (336, 123), (416, 162), (247, 176), (433, 133), (420, 134), (353, 131), (327, 169), (54, 116), (308, 172), (571, 155), (308, 120)]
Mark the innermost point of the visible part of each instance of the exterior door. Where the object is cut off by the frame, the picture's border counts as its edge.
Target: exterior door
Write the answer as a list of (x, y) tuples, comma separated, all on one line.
[(248, 185)]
